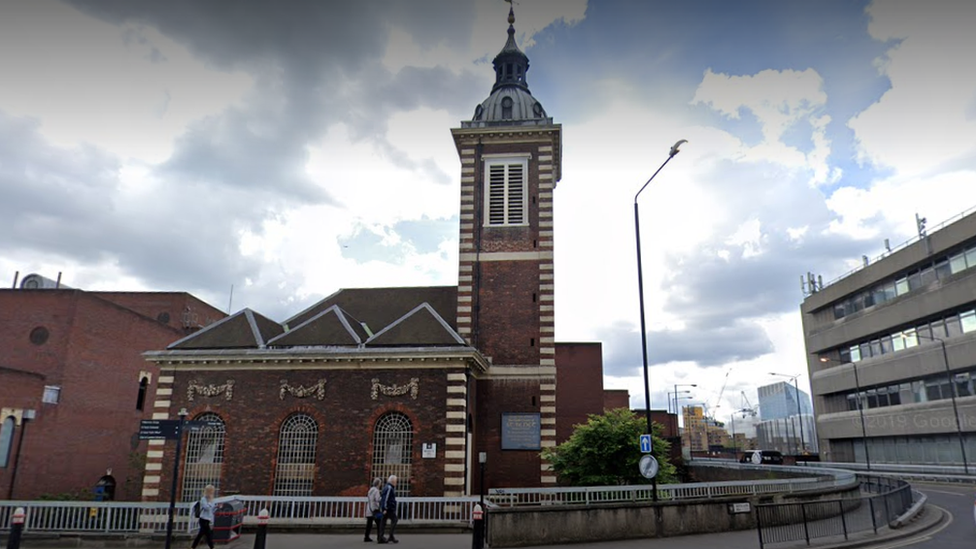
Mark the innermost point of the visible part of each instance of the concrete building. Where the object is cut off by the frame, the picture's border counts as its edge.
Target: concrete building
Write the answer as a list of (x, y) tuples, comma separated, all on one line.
[(778, 401), (875, 339), (785, 435)]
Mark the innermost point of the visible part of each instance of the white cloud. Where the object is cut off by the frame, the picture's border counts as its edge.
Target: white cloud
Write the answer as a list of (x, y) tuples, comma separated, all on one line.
[(927, 117), (779, 100)]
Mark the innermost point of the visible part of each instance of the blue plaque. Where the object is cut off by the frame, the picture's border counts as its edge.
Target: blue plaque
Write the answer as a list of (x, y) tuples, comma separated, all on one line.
[(521, 431)]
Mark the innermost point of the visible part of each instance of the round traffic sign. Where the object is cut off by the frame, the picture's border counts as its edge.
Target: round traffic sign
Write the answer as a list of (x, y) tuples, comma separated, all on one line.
[(648, 466), (756, 458)]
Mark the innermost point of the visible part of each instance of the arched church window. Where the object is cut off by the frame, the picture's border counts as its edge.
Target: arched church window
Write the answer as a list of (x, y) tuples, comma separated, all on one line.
[(393, 449), (295, 469), (204, 457), (507, 108)]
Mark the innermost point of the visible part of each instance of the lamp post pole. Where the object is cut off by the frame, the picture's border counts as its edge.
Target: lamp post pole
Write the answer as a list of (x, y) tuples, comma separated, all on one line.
[(640, 289), (173, 485), (676, 385), (955, 406), (860, 409)]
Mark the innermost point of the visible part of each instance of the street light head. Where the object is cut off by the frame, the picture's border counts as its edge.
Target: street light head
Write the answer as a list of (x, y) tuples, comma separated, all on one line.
[(674, 149), (824, 359)]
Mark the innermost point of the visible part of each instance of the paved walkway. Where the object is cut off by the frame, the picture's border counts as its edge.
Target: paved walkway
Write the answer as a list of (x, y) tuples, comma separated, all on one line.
[(747, 539)]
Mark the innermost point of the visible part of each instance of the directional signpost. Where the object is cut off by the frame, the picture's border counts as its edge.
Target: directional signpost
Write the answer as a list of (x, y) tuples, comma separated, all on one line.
[(645, 444), (155, 429)]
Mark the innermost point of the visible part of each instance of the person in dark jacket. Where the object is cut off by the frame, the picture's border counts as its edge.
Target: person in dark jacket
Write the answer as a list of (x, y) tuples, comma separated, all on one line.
[(389, 505), (374, 512)]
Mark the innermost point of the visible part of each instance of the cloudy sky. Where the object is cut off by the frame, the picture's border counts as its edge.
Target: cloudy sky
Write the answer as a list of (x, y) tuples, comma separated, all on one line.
[(293, 148)]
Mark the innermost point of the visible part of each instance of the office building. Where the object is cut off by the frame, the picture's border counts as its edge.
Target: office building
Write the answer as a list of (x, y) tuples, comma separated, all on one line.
[(895, 340), (778, 401)]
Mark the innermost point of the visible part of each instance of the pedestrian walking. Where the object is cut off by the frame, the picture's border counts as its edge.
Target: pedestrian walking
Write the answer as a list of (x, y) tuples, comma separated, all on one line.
[(389, 504), (374, 511), (204, 510)]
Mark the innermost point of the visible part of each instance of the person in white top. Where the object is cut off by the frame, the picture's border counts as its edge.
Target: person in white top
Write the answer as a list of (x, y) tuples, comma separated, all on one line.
[(373, 511), (207, 508)]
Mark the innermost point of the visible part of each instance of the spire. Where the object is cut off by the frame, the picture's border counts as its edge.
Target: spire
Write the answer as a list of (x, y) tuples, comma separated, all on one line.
[(510, 63)]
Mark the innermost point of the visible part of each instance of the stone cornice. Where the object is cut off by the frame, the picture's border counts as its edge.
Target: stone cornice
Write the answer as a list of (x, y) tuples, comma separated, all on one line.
[(329, 358)]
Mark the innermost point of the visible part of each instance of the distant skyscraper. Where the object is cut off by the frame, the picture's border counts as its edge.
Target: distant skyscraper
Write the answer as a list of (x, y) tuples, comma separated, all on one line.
[(778, 401)]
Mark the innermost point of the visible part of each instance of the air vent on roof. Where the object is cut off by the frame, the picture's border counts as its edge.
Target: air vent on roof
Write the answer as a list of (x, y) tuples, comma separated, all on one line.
[(38, 282)]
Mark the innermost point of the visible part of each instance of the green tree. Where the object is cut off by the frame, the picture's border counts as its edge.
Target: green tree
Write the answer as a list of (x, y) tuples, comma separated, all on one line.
[(605, 451)]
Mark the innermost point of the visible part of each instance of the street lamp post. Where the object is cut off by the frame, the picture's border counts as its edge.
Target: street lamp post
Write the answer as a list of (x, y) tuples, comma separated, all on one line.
[(640, 289), (860, 411), (676, 385), (955, 407), (799, 413), (173, 484)]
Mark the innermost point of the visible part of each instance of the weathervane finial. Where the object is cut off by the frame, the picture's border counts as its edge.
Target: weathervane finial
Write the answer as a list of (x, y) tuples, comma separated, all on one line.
[(511, 12)]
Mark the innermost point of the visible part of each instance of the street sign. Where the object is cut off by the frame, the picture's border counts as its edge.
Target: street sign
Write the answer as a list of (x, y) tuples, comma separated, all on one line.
[(645, 444), (166, 429), (194, 426), (739, 508), (757, 458), (648, 466)]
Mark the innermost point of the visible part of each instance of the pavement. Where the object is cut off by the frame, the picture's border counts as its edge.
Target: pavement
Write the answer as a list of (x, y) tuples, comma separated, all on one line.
[(945, 523)]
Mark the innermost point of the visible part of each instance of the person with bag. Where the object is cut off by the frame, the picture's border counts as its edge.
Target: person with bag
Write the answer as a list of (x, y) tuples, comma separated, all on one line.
[(373, 511), (388, 504), (204, 510)]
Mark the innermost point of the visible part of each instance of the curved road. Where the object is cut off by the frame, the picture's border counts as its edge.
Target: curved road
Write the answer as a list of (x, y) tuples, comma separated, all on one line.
[(958, 532)]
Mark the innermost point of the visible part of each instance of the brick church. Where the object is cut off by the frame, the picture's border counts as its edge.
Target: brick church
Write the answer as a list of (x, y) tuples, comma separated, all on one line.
[(415, 382)]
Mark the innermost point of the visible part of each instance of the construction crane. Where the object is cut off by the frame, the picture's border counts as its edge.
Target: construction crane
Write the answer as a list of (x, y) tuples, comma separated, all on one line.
[(747, 407), (718, 401)]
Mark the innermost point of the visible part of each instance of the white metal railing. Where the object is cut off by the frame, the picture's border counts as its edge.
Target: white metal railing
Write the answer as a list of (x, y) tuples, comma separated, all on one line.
[(952, 473), (352, 510), (96, 517), (148, 518), (830, 478)]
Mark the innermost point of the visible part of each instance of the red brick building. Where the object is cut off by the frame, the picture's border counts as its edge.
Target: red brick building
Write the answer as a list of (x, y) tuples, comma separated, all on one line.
[(415, 382), (74, 385)]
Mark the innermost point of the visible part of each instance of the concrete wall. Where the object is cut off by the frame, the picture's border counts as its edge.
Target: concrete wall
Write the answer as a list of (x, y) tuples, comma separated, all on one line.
[(550, 525)]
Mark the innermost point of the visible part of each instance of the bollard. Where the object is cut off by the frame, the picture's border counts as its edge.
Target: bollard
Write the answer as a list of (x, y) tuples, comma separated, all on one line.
[(16, 528), (478, 535), (262, 536)]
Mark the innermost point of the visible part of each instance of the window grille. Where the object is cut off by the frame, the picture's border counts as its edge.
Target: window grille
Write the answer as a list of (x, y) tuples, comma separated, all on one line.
[(507, 192), (295, 470), (393, 450), (204, 457)]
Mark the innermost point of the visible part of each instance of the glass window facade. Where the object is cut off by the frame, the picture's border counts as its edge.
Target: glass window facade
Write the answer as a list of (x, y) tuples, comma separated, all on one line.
[(901, 284), (926, 389)]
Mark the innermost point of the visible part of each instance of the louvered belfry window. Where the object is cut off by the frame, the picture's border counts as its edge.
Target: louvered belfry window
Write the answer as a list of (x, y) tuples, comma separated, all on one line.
[(506, 192), (295, 471)]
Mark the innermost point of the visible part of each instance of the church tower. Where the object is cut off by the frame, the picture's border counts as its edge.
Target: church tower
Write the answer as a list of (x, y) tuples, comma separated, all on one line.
[(510, 163)]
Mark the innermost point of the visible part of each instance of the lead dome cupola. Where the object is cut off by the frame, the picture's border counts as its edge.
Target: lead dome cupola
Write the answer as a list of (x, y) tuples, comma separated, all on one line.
[(510, 101)]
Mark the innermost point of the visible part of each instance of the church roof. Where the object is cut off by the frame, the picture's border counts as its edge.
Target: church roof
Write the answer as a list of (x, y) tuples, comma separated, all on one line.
[(332, 326), (243, 329), (421, 326), (380, 307), (420, 317)]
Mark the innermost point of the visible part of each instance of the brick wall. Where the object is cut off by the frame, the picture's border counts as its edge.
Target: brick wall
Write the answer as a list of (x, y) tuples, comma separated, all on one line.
[(579, 385), (506, 468), (345, 418), (616, 398), (176, 309), (93, 352)]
